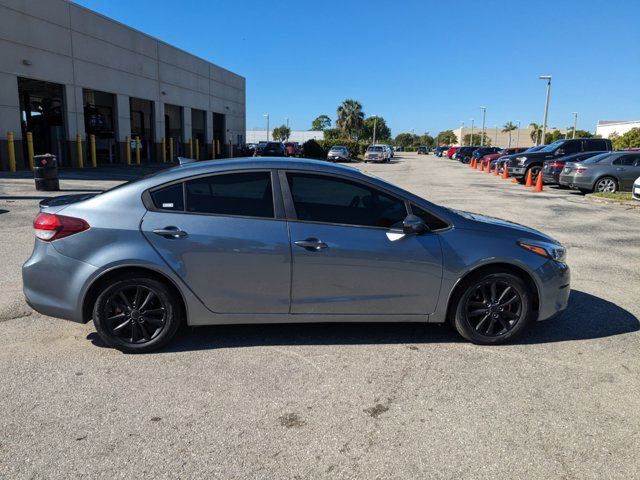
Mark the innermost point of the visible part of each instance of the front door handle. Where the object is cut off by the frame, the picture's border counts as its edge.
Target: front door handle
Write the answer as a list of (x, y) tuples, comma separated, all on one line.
[(170, 232), (311, 244)]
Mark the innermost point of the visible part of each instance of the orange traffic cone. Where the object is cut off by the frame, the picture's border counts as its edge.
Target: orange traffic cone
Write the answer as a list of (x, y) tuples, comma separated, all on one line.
[(539, 186), (480, 166), (529, 182), (473, 163), (488, 170), (495, 170), (505, 172)]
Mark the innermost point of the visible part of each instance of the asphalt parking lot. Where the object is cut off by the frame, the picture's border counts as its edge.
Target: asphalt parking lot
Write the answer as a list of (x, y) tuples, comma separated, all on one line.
[(340, 401)]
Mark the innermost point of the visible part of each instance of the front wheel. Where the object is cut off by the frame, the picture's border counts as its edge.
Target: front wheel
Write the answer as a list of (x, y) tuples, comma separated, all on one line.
[(137, 315), (491, 308), (606, 185)]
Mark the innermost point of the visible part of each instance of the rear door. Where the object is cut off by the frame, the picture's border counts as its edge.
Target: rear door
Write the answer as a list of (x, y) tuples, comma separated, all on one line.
[(226, 237), (627, 170), (348, 255)]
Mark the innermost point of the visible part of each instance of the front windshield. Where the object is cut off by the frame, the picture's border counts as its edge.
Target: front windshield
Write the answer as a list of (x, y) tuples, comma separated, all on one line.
[(374, 149), (596, 159), (552, 146)]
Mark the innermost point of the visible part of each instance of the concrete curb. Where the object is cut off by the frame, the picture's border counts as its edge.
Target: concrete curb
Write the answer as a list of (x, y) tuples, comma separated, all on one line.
[(626, 203)]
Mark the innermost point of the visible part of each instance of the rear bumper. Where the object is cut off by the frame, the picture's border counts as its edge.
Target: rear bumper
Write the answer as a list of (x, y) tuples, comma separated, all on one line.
[(555, 289), (576, 182), (551, 178), (53, 283)]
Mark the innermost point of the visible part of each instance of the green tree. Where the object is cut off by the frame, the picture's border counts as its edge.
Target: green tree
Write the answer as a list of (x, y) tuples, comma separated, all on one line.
[(322, 122), (383, 133), (579, 133), (552, 136), (427, 140), (631, 139), (536, 132), (281, 133), (447, 137), (405, 139), (508, 128), (476, 140), (350, 118), (330, 133)]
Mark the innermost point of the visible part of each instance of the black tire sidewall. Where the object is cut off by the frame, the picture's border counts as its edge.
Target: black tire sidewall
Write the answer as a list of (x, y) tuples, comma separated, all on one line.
[(173, 319), (467, 331)]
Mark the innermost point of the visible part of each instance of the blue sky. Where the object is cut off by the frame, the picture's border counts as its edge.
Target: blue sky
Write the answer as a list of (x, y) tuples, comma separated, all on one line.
[(426, 65)]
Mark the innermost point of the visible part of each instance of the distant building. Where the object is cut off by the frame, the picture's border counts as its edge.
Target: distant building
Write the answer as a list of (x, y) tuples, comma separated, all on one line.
[(301, 136), (606, 128), (519, 138)]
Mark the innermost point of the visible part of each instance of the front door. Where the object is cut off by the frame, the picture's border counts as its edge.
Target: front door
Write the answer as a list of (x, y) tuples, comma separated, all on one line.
[(348, 255), (220, 235)]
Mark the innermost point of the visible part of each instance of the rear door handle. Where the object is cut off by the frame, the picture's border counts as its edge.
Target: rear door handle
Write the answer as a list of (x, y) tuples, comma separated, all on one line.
[(170, 232), (620, 169), (311, 244)]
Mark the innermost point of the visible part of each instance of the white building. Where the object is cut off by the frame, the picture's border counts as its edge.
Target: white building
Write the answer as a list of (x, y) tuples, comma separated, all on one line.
[(608, 127), (300, 136)]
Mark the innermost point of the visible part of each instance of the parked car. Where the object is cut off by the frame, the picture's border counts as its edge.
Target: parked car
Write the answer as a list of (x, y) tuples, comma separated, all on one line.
[(480, 152), (440, 151), (293, 149), (551, 169), (520, 165), (376, 153), (464, 154), (607, 172), (492, 157), (635, 193), (258, 148), (339, 154), (502, 161), (389, 150), (199, 245), (452, 151), (274, 149), (422, 150)]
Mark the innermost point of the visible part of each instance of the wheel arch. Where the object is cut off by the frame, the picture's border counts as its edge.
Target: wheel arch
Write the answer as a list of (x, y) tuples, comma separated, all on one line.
[(96, 285), (606, 175), (520, 272)]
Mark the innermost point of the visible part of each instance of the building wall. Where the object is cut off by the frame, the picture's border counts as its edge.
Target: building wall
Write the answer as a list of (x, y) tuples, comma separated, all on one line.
[(607, 127), (301, 136), (520, 137), (59, 41)]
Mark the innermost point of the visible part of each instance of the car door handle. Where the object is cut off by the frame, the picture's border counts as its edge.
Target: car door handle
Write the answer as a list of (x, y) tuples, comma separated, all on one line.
[(620, 169), (170, 232), (311, 244)]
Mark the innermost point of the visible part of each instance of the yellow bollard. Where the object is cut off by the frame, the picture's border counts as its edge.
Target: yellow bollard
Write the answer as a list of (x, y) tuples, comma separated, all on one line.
[(127, 149), (79, 151), (137, 150), (92, 145), (191, 148), (164, 150), (171, 149), (12, 152), (30, 149), (197, 149)]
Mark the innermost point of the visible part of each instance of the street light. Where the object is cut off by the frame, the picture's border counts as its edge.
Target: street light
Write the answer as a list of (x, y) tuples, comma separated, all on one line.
[(462, 133), (484, 117), (375, 123), (546, 105), (267, 115), (575, 123), (518, 135), (471, 139)]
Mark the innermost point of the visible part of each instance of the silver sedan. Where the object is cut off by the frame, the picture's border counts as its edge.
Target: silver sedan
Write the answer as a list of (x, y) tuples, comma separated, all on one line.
[(278, 240)]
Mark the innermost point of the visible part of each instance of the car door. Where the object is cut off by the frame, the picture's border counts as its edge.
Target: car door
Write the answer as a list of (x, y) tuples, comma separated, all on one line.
[(348, 255), (627, 169), (224, 235)]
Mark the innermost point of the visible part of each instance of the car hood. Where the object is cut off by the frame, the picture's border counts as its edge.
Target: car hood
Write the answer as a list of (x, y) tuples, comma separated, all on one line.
[(476, 221)]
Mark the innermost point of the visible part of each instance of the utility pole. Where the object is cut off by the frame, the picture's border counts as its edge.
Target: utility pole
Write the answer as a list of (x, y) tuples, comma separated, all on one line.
[(462, 133), (268, 134), (546, 106), (471, 139), (375, 122), (484, 117), (518, 135), (575, 123)]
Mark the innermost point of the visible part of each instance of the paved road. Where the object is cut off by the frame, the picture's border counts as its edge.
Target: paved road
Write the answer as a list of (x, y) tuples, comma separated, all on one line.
[(331, 401)]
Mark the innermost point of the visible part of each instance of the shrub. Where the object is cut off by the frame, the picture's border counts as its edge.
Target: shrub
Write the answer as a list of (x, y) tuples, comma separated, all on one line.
[(354, 147), (312, 149)]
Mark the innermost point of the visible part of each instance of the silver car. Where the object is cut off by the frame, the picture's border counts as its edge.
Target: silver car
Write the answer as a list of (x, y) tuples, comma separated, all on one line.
[(607, 172), (279, 240), (339, 154)]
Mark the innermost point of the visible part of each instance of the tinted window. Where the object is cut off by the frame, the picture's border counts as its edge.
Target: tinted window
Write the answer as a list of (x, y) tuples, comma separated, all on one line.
[(433, 222), (243, 194), (571, 147), (596, 144), (169, 198), (626, 160), (320, 198), (598, 158)]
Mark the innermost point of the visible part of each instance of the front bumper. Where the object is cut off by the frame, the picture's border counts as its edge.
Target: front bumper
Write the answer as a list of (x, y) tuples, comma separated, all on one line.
[(554, 289), (516, 172), (53, 283)]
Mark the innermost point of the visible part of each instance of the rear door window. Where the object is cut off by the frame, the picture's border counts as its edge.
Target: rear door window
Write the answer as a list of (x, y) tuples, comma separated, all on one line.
[(626, 160), (247, 194), (169, 198)]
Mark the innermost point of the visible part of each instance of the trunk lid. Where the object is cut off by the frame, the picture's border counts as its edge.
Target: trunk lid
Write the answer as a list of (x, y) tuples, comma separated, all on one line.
[(56, 204)]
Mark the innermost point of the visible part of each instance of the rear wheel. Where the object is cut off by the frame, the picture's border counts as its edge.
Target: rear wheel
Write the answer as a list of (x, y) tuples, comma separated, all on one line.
[(491, 307), (137, 315), (606, 185)]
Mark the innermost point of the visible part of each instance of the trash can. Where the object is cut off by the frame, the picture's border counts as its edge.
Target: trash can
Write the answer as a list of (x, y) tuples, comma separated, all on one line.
[(45, 172)]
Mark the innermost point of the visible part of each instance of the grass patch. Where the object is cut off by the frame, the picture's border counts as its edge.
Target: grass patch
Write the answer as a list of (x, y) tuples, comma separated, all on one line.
[(614, 196)]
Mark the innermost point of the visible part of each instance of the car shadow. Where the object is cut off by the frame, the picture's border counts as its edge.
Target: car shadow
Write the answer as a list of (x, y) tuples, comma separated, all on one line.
[(587, 317), (3, 211)]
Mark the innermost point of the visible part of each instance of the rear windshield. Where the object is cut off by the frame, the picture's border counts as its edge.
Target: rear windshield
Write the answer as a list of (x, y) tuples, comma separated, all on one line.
[(596, 159)]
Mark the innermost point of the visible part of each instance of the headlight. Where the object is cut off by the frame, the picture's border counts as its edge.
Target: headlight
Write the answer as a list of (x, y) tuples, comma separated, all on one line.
[(549, 250), (521, 159)]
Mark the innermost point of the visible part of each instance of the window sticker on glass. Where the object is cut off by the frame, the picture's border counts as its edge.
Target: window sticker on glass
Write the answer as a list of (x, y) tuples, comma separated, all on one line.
[(167, 205)]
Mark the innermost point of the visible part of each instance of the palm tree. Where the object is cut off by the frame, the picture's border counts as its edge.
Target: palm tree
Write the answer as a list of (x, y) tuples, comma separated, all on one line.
[(350, 117), (508, 128), (536, 131)]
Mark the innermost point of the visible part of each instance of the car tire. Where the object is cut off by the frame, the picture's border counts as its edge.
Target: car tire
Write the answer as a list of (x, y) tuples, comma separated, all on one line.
[(483, 315), (137, 315), (606, 185)]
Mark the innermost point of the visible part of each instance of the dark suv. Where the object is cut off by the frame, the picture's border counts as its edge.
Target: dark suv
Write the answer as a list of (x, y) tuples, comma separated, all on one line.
[(482, 151), (519, 166), (464, 153)]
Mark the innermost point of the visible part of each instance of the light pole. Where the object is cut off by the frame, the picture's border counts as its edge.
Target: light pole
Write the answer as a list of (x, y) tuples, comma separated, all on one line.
[(518, 135), (471, 139), (462, 133), (497, 137), (375, 123), (267, 115), (484, 117), (286, 119), (546, 105), (575, 123)]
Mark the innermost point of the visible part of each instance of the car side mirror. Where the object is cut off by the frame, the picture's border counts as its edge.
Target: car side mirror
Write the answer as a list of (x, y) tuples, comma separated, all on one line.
[(413, 225)]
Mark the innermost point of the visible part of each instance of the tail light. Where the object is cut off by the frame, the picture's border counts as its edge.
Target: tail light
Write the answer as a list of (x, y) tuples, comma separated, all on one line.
[(49, 227), (580, 169), (555, 164)]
